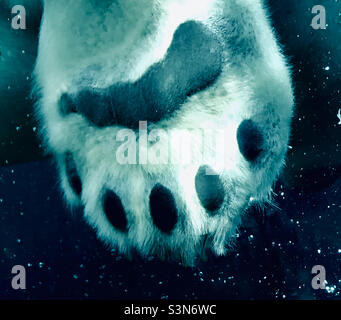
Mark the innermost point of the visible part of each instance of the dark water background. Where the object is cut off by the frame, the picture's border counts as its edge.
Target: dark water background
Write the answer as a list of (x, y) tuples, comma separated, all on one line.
[(275, 251), (273, 258)]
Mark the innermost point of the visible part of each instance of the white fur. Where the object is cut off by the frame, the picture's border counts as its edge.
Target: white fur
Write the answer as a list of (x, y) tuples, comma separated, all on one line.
[(122, 39)]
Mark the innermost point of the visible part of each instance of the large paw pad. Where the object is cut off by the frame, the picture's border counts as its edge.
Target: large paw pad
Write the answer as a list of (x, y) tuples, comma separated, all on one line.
[(166, 122)]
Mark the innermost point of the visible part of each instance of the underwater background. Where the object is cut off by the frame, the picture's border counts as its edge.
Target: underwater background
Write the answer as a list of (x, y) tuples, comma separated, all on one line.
[(275, 250)]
